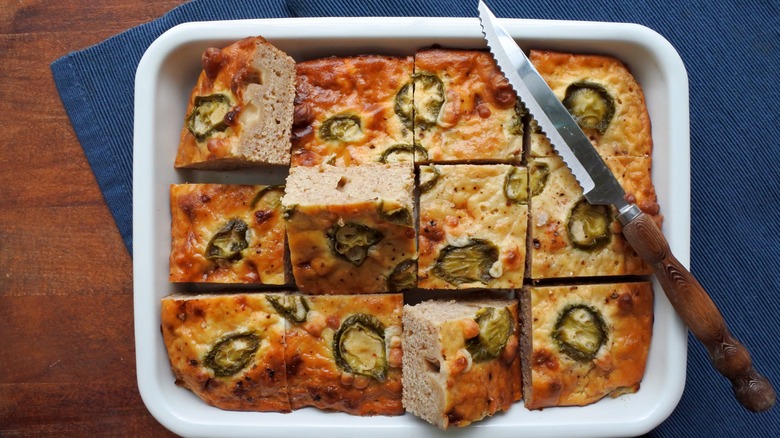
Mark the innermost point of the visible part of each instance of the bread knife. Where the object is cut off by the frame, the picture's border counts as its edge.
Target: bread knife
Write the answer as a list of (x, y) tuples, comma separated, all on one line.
[(600, 187)]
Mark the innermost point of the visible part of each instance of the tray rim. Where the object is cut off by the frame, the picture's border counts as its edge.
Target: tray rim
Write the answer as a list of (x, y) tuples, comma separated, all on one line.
[(346, 28)]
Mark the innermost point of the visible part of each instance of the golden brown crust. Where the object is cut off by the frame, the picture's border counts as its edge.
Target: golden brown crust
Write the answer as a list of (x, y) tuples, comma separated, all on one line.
[(488, 387), (199, 211), (191, 327), (294, 365), (635, 176), (364, 87), (552, 254), (312, 225), (477, 121), (625, 145), (258, 80), (468, 203), (629, 132), (318, 270), (443, 383), (559, 380), (314, 377)]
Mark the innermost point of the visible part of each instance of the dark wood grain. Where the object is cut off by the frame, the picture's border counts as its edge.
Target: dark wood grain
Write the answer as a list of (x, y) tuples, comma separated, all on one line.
[(701, 315), (67, 366)]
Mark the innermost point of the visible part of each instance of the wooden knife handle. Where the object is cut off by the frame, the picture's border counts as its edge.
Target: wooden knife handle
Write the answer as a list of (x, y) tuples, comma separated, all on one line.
[(700, 314)]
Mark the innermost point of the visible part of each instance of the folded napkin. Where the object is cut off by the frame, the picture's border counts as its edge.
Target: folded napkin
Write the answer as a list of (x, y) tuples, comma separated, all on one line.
[(731, 53)]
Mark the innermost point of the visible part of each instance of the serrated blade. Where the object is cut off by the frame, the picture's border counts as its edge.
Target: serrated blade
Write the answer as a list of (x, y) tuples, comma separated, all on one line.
[(685, 293), (597, 181)]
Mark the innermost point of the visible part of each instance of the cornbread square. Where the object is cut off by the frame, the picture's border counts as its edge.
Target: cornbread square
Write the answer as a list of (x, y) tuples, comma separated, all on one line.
[(227, 349), (224, 233), (465, 109), (581, 343), (603, 96), (346, 355), (240, 111), (473, 223), (350, 229), (353, 110), (571, 238), (460, 359)]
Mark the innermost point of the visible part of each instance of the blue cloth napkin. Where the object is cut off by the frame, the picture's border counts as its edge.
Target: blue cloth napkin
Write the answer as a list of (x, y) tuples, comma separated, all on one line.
[(731, 50)]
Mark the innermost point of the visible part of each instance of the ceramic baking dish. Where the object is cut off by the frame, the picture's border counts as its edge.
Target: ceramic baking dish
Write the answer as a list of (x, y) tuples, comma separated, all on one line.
[(164, 79)]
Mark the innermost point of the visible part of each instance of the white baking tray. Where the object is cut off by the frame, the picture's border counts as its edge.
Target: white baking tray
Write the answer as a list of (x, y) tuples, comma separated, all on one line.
[(165, 77)]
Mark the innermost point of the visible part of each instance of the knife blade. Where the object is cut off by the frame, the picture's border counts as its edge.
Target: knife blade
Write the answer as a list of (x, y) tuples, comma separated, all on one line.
[(599, 185)]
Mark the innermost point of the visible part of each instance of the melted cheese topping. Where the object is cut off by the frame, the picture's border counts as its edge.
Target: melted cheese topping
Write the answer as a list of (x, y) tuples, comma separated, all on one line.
[(559, 380), (477, 121), (191, 328), (629, 132), (363, 87), (551, 252), (468, 202), (325, 197), (314, 377), (476, 389), (198, 211), (294, 366), (319, 270), (463, 390)]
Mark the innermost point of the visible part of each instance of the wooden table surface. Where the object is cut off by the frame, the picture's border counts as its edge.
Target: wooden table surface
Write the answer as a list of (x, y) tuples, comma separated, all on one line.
[(67, 351)]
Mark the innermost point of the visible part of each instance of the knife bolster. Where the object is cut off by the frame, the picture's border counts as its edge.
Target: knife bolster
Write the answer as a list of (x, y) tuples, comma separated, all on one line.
[(627, 213)]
